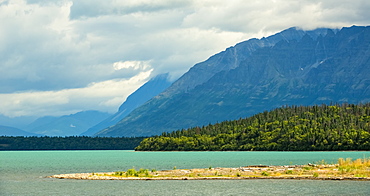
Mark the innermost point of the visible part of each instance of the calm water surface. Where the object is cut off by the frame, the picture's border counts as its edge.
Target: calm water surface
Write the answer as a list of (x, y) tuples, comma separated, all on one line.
[(23, 173)]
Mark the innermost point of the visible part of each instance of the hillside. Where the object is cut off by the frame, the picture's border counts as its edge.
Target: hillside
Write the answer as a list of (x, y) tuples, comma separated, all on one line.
[(12, 131), (19, 122), (293, 67), (149, 90), (67, 125), (335, 127), (68, 143)]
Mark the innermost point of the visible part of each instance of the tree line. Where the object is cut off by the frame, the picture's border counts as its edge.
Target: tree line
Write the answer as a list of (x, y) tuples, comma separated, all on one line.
[(68, 143), (294, 128)]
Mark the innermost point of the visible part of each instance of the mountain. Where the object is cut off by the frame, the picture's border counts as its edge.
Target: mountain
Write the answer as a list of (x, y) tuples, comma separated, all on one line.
[(68, 125), (149, 90), (12, 131), (293, 67), (20, 122), (231, 58)]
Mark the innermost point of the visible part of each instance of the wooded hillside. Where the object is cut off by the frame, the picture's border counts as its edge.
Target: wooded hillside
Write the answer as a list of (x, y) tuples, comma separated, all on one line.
[(298, 128), (69, 143)]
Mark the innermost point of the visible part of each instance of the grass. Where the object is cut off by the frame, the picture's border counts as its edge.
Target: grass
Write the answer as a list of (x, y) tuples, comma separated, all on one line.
[(359, 168), (289, 172), (133, 173)]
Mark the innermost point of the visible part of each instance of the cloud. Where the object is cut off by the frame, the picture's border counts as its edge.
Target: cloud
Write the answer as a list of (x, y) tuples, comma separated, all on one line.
[(135, 65), (95, 8), (67, 45), (274, 15), (103, 96)]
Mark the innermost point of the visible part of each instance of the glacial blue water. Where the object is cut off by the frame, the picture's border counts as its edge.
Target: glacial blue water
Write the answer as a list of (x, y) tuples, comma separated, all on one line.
[(24, 173)]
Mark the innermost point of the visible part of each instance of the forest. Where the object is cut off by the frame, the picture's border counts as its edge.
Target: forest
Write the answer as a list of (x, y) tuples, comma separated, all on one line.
[(289, 128), (69, 143)]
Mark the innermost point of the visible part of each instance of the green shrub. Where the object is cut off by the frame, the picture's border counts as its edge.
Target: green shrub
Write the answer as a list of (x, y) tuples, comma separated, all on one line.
[(142, 171), (289, 172), (265, 173), (307, 168), (131, 172), (119, 173)]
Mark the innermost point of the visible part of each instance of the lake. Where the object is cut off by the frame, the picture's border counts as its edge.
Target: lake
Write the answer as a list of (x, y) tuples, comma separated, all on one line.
[(24, 172)]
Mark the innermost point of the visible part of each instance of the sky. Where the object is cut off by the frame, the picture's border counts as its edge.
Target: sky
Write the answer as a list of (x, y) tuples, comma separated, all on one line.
[(64, 56)]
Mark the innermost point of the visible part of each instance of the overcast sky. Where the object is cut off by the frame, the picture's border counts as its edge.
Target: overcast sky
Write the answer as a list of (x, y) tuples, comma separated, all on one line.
[(63, 56)]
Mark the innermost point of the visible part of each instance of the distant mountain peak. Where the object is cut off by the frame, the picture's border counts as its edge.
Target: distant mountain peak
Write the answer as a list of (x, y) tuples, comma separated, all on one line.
[(67, 125), (11, 131)]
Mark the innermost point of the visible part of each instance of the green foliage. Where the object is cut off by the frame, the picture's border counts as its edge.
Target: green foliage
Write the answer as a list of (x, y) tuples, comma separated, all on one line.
[(131, 172), (315, 174), (143, 171), (347, 165), (119, 173), (360, 175), (289, 172), (294, 128), (69, 143), (265, 173), (308, 168)]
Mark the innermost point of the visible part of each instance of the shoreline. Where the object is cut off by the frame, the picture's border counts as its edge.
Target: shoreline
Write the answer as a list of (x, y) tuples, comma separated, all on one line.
[(88, 176), (294, 172)]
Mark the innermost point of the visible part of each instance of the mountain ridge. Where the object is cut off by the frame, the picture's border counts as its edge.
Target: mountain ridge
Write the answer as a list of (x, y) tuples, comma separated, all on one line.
[(303, 68), (12, 131), (67, 125), (246, 47), (147, 91)]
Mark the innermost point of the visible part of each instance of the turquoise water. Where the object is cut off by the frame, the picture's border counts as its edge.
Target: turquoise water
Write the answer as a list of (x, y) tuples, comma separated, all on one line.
[(23, 173)]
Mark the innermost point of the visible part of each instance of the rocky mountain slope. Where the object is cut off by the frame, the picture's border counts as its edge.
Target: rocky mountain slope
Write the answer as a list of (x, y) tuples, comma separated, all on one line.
[(291, 67), (149, 90)]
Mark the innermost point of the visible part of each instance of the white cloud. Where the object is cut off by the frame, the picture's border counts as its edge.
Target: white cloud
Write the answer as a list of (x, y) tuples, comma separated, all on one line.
[(51, 47), (135, 65), (103, 96)]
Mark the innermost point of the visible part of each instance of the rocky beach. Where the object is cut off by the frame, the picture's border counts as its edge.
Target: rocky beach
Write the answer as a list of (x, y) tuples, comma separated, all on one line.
[(299, 172)]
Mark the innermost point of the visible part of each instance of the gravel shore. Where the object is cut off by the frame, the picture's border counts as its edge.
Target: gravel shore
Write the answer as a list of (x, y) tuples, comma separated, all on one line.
[(298, 172)]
